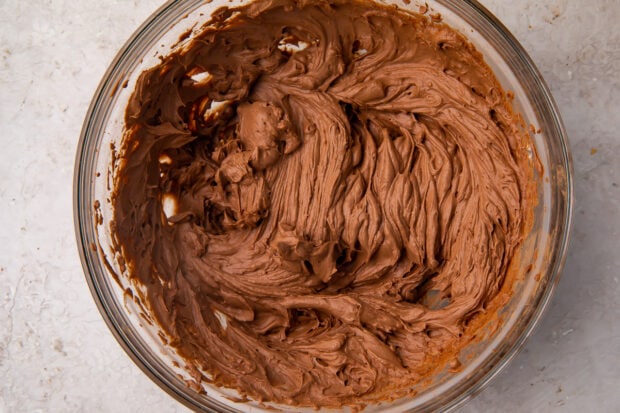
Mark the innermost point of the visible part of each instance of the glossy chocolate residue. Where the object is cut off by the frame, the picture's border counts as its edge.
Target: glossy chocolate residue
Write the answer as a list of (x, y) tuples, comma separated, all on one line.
[(318, 196)]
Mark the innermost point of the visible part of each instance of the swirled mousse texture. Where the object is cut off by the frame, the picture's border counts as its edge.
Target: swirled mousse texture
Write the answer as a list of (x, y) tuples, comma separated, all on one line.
[(316, 197)]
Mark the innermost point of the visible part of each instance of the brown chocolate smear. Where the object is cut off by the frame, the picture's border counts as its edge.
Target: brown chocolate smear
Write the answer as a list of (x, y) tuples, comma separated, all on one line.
[(317, 196)]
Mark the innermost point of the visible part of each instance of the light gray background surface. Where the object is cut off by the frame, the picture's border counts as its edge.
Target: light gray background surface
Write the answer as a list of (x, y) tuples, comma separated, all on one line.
[(56, 354)]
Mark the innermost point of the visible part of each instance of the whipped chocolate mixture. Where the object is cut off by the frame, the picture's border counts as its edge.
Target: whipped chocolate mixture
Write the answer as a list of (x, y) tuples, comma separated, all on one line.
[(318, 196)]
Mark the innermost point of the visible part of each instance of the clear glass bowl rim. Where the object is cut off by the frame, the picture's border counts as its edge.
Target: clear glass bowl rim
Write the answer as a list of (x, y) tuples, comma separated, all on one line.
[(168, 14)]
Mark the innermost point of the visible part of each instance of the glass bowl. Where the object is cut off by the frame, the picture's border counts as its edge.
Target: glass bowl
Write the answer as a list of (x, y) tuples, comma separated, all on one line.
[(540, 261)]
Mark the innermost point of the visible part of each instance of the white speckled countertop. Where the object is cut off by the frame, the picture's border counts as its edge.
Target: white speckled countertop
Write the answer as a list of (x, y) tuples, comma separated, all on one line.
[(57, 355)]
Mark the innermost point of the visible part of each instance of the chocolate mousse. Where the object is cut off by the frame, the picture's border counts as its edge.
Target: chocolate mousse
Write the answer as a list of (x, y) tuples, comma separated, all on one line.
[(317, 197)]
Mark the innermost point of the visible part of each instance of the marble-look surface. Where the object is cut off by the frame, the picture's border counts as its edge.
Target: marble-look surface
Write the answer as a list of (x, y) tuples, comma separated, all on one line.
[(57, 355)]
